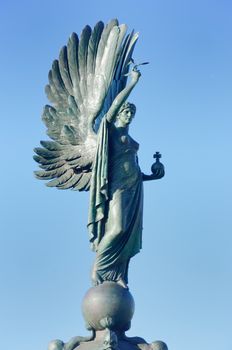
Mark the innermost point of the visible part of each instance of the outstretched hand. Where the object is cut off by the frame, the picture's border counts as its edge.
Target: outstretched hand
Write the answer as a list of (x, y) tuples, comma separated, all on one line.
[(135, 74), (156, 175)]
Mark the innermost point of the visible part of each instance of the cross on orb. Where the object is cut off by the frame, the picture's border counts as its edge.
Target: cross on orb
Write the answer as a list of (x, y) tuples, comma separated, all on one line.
[(157, 156)]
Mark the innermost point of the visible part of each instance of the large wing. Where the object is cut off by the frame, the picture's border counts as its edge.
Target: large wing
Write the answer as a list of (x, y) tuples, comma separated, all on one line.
[(83, 83), (120, 75)]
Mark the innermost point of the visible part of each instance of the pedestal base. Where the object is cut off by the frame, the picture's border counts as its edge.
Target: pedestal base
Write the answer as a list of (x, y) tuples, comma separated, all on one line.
[(107, 340), (107, 309)]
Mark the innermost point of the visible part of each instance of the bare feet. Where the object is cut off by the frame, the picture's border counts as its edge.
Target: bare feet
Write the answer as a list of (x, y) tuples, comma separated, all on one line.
[(122, 283), (96, 278)]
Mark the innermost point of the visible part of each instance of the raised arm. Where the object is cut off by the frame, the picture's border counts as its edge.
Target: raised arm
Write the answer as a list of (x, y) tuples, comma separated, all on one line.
[(122, 96)]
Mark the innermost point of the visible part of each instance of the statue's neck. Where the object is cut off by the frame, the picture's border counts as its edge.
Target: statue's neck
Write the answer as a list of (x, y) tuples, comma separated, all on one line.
[(122, 129)]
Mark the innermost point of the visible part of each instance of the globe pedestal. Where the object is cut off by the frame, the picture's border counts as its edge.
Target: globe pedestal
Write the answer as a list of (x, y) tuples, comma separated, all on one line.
[(108, 305), (108, 310)]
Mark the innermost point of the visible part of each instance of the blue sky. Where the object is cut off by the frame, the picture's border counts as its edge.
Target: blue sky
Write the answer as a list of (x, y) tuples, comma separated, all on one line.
[(182, 279)]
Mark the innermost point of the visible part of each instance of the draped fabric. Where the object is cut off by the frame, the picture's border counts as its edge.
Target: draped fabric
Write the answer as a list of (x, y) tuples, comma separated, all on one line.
[(99, 188), (116, 205)]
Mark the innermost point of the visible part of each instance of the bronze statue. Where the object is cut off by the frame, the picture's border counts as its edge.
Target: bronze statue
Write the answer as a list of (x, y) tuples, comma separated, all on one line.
[(92, 149)]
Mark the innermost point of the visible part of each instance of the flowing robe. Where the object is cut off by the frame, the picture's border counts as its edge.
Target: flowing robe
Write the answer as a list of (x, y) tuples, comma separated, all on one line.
[(116, 203)]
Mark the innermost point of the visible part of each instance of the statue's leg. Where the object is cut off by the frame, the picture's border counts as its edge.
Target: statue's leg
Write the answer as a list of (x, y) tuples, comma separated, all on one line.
[(107, 265), (121, 239)]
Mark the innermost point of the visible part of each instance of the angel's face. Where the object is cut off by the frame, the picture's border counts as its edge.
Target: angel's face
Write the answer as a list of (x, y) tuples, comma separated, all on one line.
[(125, 116)]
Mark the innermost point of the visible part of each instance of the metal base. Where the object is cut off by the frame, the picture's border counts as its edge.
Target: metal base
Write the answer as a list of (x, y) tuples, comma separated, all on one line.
[(107, 309)]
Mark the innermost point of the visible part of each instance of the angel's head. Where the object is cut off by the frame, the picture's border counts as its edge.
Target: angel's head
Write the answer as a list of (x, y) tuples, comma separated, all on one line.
[(126, 114)]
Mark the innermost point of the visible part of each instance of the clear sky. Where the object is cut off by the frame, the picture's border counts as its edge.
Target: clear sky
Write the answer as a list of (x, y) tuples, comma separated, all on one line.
[(182, 279)]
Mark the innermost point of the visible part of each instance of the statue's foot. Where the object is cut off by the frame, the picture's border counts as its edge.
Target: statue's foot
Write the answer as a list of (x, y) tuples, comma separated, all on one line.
[(122, 283), (96, 278)]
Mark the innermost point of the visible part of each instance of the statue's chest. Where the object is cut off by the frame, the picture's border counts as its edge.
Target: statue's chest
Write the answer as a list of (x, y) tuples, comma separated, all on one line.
[(121, 143)]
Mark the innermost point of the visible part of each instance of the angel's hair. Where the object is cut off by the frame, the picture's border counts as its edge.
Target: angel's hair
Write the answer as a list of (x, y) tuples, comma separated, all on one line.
[(126, 105)]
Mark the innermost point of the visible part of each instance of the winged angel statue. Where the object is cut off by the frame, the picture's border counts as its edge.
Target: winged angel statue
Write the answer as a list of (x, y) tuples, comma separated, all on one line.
[(91, 148)]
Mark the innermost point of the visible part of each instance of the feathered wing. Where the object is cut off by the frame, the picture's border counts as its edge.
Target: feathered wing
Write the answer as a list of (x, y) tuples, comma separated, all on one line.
[(82, 85)]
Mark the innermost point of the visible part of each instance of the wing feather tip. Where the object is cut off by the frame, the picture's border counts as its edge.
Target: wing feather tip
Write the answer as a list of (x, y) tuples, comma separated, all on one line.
[(37, 176), (73, 36), (49, 184)]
